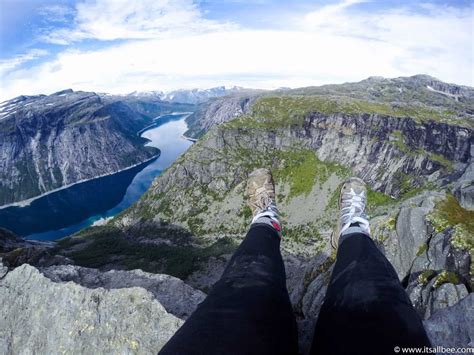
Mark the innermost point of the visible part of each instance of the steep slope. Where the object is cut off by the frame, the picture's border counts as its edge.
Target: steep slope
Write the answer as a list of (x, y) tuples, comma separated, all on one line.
[(47, 142)]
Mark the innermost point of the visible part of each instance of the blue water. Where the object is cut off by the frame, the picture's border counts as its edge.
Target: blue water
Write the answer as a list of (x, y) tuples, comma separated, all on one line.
[(67, 211)]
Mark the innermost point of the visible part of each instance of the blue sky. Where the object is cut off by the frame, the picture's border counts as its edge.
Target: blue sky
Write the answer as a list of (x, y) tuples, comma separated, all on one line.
[(120, 46)]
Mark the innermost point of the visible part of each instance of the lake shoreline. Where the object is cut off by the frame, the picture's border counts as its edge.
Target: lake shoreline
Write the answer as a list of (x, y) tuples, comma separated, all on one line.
[(27, 202)]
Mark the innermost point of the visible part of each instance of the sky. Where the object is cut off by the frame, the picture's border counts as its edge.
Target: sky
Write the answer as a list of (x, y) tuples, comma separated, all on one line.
[(121, 46)]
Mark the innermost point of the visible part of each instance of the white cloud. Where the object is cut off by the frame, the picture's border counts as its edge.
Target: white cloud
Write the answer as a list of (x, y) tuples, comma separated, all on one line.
[(10, 64), (123, 19), (345, 46)]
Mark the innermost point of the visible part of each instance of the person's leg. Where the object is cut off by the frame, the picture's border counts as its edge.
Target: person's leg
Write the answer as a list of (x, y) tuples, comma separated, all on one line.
[(248, 310), (366, 310)]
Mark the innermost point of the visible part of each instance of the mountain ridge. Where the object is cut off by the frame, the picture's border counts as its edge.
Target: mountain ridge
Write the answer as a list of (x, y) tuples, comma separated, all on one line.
[(48, 142)]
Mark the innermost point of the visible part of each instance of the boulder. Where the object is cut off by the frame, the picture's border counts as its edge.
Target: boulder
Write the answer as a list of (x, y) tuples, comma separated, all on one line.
[(453, 326), (45, 317), (176, 297)]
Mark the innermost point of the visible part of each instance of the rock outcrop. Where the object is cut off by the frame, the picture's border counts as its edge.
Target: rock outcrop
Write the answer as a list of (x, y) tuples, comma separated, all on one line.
[(452, 327), (218, 111), (108, 313), (177, 297)]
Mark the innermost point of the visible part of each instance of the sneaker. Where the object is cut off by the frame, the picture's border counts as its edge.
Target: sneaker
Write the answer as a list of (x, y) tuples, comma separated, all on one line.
[(352, 217), (261, 198)]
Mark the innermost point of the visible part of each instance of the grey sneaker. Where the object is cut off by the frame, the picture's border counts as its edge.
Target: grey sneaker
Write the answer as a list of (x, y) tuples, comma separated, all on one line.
[(260, 190), (261, 198), (352, 201)]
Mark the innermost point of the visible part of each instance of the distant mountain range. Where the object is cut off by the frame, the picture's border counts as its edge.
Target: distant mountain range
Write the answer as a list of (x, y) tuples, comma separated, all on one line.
[(189, 96)]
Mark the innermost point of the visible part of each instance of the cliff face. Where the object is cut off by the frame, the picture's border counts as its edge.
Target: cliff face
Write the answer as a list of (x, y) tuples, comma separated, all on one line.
[(217, 111), (47, 142)]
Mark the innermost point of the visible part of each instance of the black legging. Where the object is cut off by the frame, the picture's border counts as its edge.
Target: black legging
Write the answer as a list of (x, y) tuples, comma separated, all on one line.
[(248, 310)]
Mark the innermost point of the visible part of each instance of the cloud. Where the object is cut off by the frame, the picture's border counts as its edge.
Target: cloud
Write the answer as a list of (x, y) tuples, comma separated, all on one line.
[(438, 40), (123, 19), (10, 64), (345, 45)]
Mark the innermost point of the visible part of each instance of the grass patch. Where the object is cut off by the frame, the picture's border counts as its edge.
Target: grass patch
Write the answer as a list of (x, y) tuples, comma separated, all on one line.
[(449, 213), (376, 199), (299, 233), (299, 169), (284, 110), (111, 246), (446, 277), (302, 170), (422, 249), (426, 276)]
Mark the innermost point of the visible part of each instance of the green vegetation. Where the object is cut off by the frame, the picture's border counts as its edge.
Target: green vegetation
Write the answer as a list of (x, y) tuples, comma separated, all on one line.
[(422, 249), (446, 277), (302, 169), (245, 213), (299, 169), (399, 142), (299, 233), (276, 111), (441, 160), (426, 276), (448, 213), (376, 199), (109, 245)]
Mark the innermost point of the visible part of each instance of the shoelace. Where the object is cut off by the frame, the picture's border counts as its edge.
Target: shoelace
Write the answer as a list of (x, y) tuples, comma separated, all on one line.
[(353, 210), (269, 211), (263, 199)]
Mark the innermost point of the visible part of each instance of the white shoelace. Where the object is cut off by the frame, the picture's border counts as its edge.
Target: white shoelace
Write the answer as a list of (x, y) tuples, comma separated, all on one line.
[(271, 212), (353, 211)]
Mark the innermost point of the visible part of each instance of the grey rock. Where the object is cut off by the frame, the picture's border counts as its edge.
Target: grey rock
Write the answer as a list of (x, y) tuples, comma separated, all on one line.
[(44, 317), (464, 187), (444, 296), (177, 297), (216, 112), (314, 296), (427, 299), (308, 293), (453, 326), (411, 235)]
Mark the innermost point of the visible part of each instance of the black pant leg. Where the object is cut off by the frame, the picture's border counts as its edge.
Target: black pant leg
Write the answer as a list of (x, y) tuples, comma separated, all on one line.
[(366, 310), (248, 310)]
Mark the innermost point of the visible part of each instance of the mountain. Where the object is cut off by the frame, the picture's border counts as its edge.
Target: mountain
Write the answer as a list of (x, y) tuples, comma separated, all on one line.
[(191, 96), (409, 138), (48, 142), (420, 97)]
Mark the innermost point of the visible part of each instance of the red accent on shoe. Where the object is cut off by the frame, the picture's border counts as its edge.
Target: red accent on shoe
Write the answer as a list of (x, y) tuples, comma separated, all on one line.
[(276, 226)]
